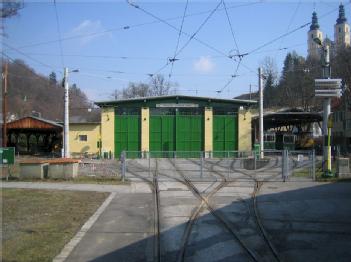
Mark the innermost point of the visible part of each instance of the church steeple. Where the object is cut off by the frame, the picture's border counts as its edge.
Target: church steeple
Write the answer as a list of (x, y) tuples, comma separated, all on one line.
[(313, 33), (341, 19), (341, 29), (314, 24)]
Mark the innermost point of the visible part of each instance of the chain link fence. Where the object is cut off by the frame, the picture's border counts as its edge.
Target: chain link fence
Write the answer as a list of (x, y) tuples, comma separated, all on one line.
[(213, 166)]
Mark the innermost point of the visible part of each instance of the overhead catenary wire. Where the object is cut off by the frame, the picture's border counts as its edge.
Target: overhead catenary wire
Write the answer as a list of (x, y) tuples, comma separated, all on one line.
[(231, 28), (198, 29), (225, 55), (290, 23), (177, 29), (29, 57), (59, 34), (232, 77), (290, 32), (178, 39), (240, 56), (191, 36), (126, 27)]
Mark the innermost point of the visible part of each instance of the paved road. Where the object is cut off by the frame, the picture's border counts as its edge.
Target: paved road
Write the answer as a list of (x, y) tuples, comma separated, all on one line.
[(308, 221)]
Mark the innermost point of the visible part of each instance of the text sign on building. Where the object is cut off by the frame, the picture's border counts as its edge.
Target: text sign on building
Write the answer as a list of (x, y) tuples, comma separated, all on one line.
[(174, 105), (327, 87)]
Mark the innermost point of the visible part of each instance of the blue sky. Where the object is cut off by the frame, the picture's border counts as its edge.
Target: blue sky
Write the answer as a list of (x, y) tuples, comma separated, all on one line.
[(109, 60)]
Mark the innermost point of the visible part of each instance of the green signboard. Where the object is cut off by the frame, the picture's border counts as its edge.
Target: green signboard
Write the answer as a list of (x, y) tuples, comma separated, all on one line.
[(7, 155)]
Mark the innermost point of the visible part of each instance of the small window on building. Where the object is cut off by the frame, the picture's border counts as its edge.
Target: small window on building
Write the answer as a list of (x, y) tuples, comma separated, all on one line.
[(269, 137), (348, 124), (339, 30), (312, 36), (288, 139), (83, 138)]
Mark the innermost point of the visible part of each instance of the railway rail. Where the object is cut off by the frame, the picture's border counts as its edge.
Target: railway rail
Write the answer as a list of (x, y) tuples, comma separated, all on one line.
[(205, 203)]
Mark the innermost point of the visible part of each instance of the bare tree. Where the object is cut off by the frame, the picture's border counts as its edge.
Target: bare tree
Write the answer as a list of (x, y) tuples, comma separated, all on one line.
[(269, 67), (159, 86), (9, 8), (136, 90)]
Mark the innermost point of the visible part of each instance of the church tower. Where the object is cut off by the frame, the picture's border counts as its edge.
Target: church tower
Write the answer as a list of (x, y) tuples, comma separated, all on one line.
[(341, 30), (314, 32)]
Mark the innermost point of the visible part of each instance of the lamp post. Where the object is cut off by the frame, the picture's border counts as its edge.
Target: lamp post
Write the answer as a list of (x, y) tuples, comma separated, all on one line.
[(66, 153), (260, 87)]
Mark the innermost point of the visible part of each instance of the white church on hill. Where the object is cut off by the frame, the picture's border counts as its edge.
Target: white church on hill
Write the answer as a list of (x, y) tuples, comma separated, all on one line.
[(341, 35)]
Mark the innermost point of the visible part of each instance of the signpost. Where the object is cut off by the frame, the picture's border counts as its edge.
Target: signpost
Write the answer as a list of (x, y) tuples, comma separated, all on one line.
[(7, 158), (327, 88)]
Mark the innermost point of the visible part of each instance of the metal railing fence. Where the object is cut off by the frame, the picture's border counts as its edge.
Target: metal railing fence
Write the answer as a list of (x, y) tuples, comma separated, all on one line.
[(229, 165)]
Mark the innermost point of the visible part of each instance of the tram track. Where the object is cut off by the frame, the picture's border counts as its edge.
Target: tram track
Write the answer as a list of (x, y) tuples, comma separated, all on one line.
[(153, 184), (257, 187), (204, 204)]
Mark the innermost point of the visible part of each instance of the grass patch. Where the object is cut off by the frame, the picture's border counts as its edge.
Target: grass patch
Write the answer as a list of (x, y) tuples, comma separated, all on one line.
[(38, 223)]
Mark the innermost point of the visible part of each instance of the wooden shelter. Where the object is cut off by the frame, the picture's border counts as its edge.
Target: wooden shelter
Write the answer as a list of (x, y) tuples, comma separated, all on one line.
[(34, 135)]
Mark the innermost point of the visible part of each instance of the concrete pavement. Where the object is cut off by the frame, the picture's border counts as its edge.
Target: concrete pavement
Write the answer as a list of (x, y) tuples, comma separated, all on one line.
[(307, 221)]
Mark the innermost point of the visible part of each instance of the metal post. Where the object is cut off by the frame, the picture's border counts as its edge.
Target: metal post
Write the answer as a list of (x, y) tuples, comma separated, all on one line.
[(250, 91), (4, 107), (66, 118), (326, 110), (149, 165), (260, 87), (255, 161), (228, 168), (285, 164), (202, 166), (123, 165), (313, 165)]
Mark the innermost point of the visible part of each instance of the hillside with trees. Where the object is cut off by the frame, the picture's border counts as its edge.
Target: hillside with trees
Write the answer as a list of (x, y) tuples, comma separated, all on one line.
[(30, 93)]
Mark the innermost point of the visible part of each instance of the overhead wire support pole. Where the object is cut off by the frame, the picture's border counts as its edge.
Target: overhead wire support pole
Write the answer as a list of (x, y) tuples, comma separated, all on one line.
[(4, 105), (66, 118), (326, 110), (260, 87)]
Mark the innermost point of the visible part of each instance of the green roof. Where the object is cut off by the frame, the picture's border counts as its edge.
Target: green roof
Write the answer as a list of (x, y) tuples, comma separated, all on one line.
[(147, 101)]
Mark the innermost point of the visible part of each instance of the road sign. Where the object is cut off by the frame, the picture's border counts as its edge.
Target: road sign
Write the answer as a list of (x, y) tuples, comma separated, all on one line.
[(7, 155), (327, 87)]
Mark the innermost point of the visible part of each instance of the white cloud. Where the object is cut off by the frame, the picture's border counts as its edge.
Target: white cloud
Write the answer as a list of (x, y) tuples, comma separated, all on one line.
[(204, 65), (89, 30)]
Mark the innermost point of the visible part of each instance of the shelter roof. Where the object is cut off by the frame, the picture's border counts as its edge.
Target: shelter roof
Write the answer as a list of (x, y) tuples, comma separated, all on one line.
[(32, 122), (288, 117)]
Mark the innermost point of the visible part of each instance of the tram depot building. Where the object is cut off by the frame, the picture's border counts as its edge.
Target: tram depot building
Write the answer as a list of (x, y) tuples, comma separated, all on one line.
[(174, 125)]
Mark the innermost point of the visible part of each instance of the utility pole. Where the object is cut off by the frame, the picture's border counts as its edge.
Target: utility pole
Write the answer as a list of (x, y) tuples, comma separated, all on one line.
[(250, 91), (66, 118), (260, 87), (326, 108), (4, 106)]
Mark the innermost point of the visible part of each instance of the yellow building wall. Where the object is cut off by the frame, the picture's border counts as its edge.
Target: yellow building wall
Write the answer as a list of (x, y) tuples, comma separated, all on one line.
[(244, 130), (108, 130), (208, 129), (145, 123), (79, 148)]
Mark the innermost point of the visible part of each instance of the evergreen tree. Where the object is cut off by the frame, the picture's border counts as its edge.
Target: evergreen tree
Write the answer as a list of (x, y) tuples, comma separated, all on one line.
[(52, 79)]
